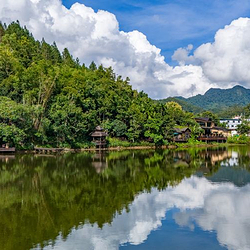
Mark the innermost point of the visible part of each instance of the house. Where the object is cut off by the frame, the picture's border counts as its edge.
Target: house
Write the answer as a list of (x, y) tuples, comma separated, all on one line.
[(205, 122), (182, 134), (212, 133), (232, 124), (220, 131)]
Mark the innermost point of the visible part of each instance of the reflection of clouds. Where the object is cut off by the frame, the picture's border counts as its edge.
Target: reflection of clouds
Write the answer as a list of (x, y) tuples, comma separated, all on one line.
[(227, 213), (134, 227), (225, 210), (222, 207)]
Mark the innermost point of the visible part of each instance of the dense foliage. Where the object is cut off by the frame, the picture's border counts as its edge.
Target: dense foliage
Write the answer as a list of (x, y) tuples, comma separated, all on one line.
[(49, 98)]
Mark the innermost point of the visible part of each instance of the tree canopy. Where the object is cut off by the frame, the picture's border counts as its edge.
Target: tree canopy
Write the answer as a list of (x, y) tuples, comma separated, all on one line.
[(49, 98)]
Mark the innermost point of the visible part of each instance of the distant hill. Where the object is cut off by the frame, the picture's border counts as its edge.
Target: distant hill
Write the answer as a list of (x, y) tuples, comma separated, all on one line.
[(184, 103), (216, 100)]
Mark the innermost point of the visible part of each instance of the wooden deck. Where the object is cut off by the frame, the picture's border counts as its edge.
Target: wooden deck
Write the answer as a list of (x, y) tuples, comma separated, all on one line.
[(212, 139), (180, 140), (48, 150), (7, 150)]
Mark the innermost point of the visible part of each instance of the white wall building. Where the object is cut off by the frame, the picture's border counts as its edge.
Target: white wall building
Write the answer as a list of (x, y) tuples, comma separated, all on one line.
[(232, 124)]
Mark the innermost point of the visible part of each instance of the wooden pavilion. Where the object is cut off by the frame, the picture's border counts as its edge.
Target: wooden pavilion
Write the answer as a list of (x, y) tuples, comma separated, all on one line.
[(99, 137)]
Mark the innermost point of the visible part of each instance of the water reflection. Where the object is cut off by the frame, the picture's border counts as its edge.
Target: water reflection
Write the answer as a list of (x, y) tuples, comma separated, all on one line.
[(114, 200), (225, 209), (222, 208)]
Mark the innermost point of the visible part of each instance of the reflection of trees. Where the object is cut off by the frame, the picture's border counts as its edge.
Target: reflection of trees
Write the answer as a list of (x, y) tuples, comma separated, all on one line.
[(42, 196)]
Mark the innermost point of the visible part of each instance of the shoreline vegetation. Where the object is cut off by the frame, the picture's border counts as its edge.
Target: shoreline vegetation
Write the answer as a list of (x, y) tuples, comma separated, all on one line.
[(49, 100), (144, 147)]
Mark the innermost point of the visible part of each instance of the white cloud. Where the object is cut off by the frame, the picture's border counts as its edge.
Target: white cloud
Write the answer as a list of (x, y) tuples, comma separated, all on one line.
[(225, 61), (182, 55), (95, 36)]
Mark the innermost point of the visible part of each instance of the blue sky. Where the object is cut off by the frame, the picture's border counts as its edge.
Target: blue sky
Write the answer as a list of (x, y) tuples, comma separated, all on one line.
[(133, 36), (172, 24)]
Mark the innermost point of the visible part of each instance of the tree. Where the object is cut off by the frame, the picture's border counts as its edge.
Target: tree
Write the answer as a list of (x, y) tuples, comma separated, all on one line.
[(243, 128), (154, 129), (92, 66), (209, 114), (2, 31), (68, 59)]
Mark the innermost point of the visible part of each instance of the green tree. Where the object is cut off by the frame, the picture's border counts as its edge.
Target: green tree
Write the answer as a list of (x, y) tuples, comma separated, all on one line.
[(243, 128)]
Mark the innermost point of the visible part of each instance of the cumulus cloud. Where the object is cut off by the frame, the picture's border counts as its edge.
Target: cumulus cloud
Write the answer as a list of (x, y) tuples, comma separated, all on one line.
[(225, 61), (182, 55), (95, 36), (221, 207)]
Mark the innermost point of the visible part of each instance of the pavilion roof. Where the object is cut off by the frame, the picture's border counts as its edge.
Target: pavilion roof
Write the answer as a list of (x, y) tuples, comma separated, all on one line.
[(99, 132)]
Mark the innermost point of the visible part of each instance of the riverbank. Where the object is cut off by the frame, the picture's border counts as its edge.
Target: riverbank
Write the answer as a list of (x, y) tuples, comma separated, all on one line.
[(120, 148), (125, 145)]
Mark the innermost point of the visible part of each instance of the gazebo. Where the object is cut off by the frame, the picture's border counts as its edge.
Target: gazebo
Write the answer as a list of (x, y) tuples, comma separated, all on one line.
[(99, 137)]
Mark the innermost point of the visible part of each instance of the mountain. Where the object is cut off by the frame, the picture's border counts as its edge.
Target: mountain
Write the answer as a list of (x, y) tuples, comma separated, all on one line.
[(216, 100), (185, 104)]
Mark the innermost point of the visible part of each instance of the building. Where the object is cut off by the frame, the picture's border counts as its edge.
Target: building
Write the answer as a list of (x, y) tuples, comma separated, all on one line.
[(212, 133), (205, 122), (182, 134), (99, 137), (232, 123)]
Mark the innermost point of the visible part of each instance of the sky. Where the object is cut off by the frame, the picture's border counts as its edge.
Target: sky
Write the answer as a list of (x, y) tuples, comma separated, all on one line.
[(166, 48), (171, 24)]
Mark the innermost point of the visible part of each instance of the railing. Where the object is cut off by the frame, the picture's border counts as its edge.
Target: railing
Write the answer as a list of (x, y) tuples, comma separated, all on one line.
[(7, 149), (100, 143), (180, 139), (48, 150), (212, 138)]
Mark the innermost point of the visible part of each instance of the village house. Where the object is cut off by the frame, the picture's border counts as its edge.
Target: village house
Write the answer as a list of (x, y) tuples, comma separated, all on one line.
[(212, 133), (182, 134), (232, 124)]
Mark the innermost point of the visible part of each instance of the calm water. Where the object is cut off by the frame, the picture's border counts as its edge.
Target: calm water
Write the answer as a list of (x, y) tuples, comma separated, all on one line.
[(192, 199)]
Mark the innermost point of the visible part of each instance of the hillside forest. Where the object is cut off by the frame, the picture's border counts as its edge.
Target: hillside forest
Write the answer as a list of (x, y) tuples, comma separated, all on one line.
[(225, 103), (48, 98)]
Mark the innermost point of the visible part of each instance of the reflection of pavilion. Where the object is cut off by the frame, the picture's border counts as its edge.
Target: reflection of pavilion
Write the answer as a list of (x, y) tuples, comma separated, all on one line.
[(99, 162)]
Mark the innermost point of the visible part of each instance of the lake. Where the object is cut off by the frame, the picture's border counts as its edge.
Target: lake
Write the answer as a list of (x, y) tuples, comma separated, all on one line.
[(145, 199)]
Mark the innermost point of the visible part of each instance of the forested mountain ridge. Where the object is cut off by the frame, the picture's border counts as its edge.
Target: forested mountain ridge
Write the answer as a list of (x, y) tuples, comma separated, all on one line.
[(184, 103), (48, 98), (215, 100)]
